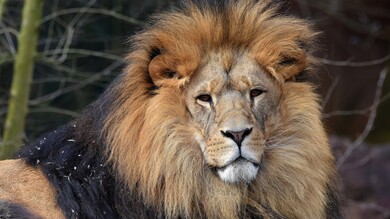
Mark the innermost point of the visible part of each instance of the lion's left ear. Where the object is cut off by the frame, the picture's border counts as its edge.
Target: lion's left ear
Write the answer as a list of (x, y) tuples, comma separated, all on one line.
[(293, 61), (166, 70), (289, 66)]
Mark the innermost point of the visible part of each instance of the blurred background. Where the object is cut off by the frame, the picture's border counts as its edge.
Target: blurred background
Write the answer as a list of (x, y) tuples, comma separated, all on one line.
[(79, 50)]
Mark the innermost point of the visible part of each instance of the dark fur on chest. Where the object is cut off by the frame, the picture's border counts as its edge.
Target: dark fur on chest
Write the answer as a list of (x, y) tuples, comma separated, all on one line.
[(85, 183)]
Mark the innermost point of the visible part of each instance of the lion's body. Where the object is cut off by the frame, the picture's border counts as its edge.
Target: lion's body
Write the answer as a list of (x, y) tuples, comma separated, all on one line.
[(210, 119), (26, 186)]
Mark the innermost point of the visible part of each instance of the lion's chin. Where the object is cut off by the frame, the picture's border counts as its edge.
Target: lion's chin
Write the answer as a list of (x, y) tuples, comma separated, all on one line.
[(240, 171)]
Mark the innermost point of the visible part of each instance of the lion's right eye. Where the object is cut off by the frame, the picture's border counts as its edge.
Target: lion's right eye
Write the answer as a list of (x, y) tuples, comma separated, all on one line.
[(256, 92), (205, 98)]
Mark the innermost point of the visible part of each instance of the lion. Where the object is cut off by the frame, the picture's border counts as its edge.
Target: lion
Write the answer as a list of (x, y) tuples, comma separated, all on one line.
[(214, 116)]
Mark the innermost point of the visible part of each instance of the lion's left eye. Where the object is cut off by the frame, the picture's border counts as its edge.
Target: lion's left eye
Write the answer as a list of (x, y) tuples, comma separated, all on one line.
[(256, 92), (205, 98)]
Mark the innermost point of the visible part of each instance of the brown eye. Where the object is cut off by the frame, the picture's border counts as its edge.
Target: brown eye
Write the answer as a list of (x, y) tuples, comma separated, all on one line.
[(256, 92), (204, 98)]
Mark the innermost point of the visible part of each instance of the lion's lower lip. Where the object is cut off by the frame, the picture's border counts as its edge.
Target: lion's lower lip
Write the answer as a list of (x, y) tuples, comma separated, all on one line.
[(237, 161)]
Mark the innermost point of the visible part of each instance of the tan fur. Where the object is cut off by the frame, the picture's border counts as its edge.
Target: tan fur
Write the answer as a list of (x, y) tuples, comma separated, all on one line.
[(152, 139), (28, 187)]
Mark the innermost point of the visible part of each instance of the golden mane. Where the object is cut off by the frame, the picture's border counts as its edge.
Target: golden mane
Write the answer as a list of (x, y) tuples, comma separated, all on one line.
[(166, 139), (149, 135)]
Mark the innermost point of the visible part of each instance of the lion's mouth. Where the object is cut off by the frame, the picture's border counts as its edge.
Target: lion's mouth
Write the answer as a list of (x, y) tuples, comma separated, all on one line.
[(239, 170), (237, 162)]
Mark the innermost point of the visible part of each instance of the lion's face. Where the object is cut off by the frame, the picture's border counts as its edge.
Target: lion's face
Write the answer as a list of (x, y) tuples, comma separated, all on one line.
[(229, 101)]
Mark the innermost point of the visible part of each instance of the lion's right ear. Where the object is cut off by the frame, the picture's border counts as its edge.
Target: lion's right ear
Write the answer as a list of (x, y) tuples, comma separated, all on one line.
[(161, 70), (166, 70)]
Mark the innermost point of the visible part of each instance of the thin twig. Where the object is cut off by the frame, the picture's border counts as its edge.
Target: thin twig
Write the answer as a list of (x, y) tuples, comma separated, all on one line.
[(361, 162), (371, 119), (356, 64), (330, 91), (354, 112), (50, 28), (372, 206), (54, 110), (74, 87), (351, 23), (5, 30), (10, 42), (85, 52), (58, 67), (67, 38), (92, 11), (347, 112)]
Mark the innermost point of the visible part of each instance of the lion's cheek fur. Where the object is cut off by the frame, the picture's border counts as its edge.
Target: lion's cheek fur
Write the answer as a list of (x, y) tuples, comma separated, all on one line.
[(160, 162), (297, 166)]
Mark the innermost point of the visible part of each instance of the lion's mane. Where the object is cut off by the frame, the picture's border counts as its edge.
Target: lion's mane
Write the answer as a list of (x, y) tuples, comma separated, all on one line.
[(136, 145)]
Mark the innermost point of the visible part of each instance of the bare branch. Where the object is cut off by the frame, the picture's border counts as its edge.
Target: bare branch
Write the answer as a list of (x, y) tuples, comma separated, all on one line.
[(347, 112), (371, 206), (54, 110), (330, 91), (360, 162), (50, 28), (355, 112), (5, 30), (11, 46), (385, 97), (84, 52), (352, 24), (356, 64), (74, 87), (93, 11), (54, 79), (371, 119), (67, 37)]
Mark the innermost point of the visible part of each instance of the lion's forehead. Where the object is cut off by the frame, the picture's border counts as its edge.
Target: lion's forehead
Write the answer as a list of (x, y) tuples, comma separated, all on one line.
[(237, 72)]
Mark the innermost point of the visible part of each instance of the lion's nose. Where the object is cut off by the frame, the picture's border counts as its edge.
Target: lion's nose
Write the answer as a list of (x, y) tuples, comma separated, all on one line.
[(237, 137)]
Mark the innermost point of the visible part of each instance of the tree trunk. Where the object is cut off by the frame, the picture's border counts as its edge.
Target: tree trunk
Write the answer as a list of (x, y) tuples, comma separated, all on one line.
[(20, 87), (2, 5)]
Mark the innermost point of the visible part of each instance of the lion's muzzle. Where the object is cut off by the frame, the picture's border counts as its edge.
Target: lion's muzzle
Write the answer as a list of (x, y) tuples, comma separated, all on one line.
[(235, 153)]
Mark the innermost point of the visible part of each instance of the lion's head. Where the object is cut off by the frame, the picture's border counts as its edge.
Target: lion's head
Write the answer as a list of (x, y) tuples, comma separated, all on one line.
[(229, 101), (213, 116)]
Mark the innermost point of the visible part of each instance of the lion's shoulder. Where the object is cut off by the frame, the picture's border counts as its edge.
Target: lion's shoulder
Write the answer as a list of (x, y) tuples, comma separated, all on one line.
[(28, 187), (74, 165), (74, 168)]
